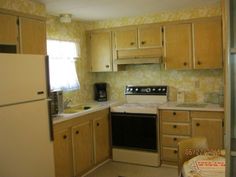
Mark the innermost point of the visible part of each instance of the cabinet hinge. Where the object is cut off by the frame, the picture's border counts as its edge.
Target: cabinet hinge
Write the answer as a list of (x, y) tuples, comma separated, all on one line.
[(18, 21)]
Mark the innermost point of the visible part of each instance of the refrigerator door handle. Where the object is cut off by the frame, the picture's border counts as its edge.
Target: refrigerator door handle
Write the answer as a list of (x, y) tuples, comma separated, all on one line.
[(47, 75), (50, 119)]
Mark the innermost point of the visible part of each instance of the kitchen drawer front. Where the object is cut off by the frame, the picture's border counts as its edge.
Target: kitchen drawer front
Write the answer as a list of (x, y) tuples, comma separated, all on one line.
[(175, 116), (172, 141), (169, 154), (176, 128)]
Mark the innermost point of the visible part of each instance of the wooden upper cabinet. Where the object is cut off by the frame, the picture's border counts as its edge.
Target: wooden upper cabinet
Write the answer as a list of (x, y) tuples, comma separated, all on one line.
[(150, 36), (100, 51), (32, 36), (8, 29), (178, 46), (126, 38), (207, 38)]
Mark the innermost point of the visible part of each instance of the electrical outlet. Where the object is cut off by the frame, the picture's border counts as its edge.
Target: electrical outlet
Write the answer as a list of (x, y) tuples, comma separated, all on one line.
[(197, 84)]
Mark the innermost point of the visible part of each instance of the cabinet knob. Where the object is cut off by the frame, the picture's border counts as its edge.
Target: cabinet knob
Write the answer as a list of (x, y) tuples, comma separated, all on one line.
[(132, 43), (175, 139), (185, 63), (77, 132), (107, 66), (98, 124), (143, 42), (197, 124), (64, 137), (174, 113), (174, 126), (175, 151), (199, 63)]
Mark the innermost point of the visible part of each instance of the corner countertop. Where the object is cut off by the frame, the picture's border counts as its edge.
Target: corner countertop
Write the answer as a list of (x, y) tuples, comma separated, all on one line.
[(206, 107), (95, 106)]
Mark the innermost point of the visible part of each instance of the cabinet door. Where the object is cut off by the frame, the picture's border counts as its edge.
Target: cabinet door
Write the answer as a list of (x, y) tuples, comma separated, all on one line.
[(63, 154), (150, 36), (210, 128), (100, 51), (178, 46), (32, 36), (101, 138), (82, 147), (207, 44), (8, 33), (126, 39)]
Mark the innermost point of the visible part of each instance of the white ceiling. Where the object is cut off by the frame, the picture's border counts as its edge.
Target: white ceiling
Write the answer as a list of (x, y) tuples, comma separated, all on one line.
[(110, 9)]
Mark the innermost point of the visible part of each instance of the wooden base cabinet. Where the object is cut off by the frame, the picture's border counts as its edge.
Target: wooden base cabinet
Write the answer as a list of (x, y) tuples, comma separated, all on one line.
[(63, 153), (178, 125), (81, 143), (82, 147)]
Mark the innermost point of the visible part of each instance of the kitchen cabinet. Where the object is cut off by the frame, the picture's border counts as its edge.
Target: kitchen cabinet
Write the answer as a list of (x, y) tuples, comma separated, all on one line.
[(82, 147), (8, 33), (178, 46), (139, 42), (81, 143), (202, 121), (177, 125), (101, 138), (22, 34), (32, 36), (100, 51), (63, 153), (207, 44), (193, 45)]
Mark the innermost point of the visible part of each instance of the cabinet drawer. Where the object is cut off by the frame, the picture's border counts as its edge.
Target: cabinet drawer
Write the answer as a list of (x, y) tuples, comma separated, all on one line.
[(176, 128), (169, 154), (175, 116), (172, 141)]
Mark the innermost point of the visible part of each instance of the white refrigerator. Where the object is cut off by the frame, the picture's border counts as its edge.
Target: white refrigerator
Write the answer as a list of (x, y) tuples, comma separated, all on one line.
[(26, 136)]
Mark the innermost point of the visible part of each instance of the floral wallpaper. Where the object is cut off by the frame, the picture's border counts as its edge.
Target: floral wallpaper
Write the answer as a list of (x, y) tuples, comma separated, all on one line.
[(25, 6), (198, 85)]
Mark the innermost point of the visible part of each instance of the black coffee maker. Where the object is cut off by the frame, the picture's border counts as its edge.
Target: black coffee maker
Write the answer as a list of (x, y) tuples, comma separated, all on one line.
[(100, 91)]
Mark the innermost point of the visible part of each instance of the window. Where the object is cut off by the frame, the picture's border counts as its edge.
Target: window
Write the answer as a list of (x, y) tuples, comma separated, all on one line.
[(62, 68)]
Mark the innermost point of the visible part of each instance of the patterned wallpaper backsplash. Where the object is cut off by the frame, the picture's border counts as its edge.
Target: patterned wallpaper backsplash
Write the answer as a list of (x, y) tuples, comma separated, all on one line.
[(198, 85)]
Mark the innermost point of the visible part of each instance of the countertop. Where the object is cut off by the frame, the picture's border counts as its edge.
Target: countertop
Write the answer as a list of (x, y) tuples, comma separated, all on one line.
[(191, 107), (95, 106)]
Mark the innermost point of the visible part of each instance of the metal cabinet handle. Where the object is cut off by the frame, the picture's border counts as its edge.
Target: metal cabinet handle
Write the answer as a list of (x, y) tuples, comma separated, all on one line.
[(64, 137), (132, 43), (175, 151), (185, 63), (197, 124), (98, 124), (199, 63), (174, 126), (174, 113), (175, 139), (77, 132), (107, 66)]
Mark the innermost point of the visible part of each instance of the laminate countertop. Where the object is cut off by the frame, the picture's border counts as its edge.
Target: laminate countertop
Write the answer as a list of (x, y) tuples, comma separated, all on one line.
[(192, 106)]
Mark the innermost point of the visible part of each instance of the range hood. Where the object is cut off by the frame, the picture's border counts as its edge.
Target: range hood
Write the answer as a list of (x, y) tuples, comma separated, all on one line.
[(128, 61), (138, 56)]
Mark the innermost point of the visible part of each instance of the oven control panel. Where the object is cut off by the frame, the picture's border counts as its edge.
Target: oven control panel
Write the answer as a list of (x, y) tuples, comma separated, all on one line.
[(146, 90)]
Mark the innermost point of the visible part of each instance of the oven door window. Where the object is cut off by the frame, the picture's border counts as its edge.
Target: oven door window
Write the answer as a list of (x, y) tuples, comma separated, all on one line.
[(134, 131)]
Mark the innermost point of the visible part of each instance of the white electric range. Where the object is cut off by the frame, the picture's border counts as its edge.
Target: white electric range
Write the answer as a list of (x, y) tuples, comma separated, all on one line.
[(135, 125)]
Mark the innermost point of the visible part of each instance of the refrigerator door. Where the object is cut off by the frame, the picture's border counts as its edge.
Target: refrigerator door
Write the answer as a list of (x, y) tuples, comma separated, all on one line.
[(23, 78), (26, 149)]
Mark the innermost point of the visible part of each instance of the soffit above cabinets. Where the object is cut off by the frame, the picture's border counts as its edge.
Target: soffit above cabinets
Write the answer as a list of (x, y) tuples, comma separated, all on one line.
[(91, 10)]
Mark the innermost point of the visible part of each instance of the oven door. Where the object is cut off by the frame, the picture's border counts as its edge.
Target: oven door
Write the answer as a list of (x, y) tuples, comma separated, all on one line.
[(134, 131)]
